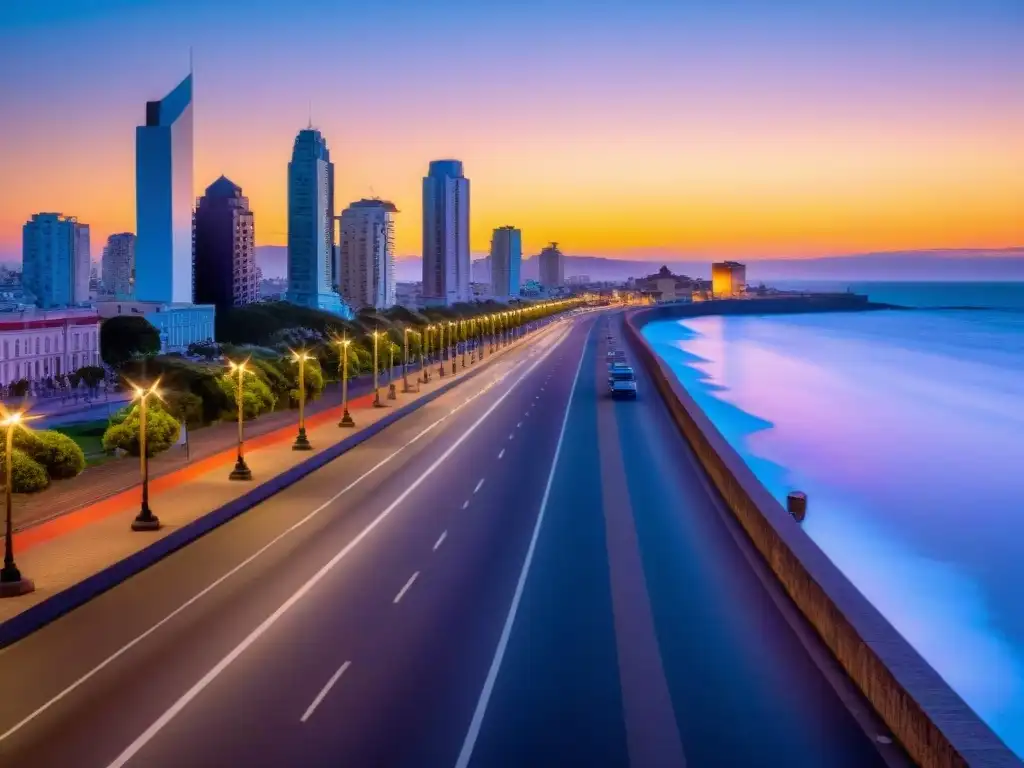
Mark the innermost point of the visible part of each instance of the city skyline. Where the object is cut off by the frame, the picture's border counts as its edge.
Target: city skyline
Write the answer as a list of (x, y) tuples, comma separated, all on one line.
[(838, 131)]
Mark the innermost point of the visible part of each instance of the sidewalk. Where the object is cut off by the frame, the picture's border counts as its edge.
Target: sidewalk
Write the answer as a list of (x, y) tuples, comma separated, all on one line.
[(63, 552), (118, 475)]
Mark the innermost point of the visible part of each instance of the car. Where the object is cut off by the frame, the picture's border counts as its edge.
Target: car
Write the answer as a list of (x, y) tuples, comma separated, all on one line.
[(623, 373), (623, 390)]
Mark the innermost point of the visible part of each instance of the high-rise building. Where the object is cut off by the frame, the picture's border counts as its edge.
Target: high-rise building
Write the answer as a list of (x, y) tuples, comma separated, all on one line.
[(728, 278), (311, 278), (366, 254), (164, 198), (55, 260), (224, 250), (119, 266), (552, 267), (446, 264), (506, 258)]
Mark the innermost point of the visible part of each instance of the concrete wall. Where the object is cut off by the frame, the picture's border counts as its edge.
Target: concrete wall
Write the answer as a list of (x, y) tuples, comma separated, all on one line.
[(932, 722)]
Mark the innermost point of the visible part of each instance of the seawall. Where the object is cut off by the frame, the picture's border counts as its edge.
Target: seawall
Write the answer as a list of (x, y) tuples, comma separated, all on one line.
[(934, 725)]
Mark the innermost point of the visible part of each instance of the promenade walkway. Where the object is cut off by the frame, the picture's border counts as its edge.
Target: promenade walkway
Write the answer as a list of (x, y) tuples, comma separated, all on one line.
[(116, 475)]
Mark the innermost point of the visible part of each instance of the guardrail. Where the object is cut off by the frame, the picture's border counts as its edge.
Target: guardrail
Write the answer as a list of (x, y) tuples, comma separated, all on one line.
[(934, 725)]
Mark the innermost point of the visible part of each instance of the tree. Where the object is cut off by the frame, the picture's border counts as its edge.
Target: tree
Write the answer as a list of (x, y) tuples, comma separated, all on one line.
[(256, 395), (162, 430), (56, 453), (207, 350), (125, 337), (92, 375)]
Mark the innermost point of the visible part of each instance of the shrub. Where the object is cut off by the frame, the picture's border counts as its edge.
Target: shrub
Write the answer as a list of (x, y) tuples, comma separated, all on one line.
[(256, 395), (58, 454), (27, 475), (162, 432), (92, 375)]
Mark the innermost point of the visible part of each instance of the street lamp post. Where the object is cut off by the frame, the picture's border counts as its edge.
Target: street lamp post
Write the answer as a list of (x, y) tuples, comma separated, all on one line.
[(440, 350), (423, 366), (472, 336), (392, 395), (12, 583), (453, 344), (241, 470), (376, 372), (465, 339), (405, 361), (301, 441), (145, 520), (346, 417), (425, 354)]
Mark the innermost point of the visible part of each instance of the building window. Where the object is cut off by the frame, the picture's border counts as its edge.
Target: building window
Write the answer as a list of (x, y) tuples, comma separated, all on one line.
[(47, 344), (17, 347), (37, 345)]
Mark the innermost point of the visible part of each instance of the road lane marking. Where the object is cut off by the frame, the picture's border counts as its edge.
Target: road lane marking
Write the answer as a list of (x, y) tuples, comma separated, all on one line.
[(511, 436), (479, 485), (465, 504), (158, 725), (501, 453), (440, 540), (519, 424), (409, 583), (492, 674), (324, 691), (213, 585)]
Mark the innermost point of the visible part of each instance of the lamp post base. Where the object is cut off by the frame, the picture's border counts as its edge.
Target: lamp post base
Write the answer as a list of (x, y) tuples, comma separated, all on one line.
[(376, 400), (241, 471), (146, 521), (346, 420), (13, 584), (392, 393), (301, 441), (406, 386)]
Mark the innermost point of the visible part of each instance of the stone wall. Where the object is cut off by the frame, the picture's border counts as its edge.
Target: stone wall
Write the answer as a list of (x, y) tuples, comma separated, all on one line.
[(931, 721)]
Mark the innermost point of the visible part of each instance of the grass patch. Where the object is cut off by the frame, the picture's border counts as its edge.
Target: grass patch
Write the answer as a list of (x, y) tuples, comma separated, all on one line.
[(89, 436)]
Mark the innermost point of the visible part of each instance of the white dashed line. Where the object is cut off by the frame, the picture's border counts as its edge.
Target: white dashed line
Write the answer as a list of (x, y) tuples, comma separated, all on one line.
[(479, 485), (501, 453), (405, 589), (519, 425), (324, 691), (465, 504), (511, 436), (440, 540)]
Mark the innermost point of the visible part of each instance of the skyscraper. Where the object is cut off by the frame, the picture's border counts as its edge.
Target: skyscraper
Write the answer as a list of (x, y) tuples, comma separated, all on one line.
[(366, 268), (55, 260), (224, 251), (119, 265), (552, 267), (728, 278), (506, 257), (163, 199), (446, 264), (311, 279)]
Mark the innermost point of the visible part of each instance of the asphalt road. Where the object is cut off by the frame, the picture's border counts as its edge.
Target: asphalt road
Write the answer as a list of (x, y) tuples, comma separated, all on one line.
[(521, 573)]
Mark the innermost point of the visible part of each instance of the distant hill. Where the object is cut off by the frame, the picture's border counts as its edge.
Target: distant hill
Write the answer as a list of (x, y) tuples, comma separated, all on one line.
[(965, 264)]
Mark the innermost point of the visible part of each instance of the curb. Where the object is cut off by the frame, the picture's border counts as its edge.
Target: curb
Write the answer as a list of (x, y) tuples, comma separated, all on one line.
[(55, 606)]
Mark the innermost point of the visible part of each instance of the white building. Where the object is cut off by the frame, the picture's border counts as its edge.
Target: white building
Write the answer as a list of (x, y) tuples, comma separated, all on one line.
[(552, 267), (366, 254), (506, 259), (446, 262), (119, 265), (38, 344)]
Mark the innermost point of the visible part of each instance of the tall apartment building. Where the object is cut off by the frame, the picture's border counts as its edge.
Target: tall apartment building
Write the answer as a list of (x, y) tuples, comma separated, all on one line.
[(506, 258), (552, 267), (446, 262), (164, 198), (223, 247), (728, 278), (55, 260), (366, 254), (311, 278), (118, 275)]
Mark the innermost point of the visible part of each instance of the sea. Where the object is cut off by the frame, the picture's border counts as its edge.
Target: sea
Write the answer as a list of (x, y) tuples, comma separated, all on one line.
[(906, 430)]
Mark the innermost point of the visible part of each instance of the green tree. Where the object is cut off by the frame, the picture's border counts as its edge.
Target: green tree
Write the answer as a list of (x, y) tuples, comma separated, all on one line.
[(27, 475), (126, 336), (58, 454), (92, 375), (162, 430), (256, 395)]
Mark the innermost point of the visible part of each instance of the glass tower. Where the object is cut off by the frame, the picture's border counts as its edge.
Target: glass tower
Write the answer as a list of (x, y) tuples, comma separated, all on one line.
[(163, 199)]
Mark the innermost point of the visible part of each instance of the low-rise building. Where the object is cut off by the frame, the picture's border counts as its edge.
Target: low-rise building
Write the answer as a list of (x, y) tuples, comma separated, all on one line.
[(663, 286), (178, 324), (39, 344), (728, 278)]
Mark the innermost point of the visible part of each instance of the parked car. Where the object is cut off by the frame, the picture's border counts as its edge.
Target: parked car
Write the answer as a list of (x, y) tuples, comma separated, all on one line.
[(624, 390)]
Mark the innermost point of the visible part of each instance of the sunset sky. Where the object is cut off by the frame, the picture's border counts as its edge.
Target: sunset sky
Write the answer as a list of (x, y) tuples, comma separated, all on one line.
[(742, 128)]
